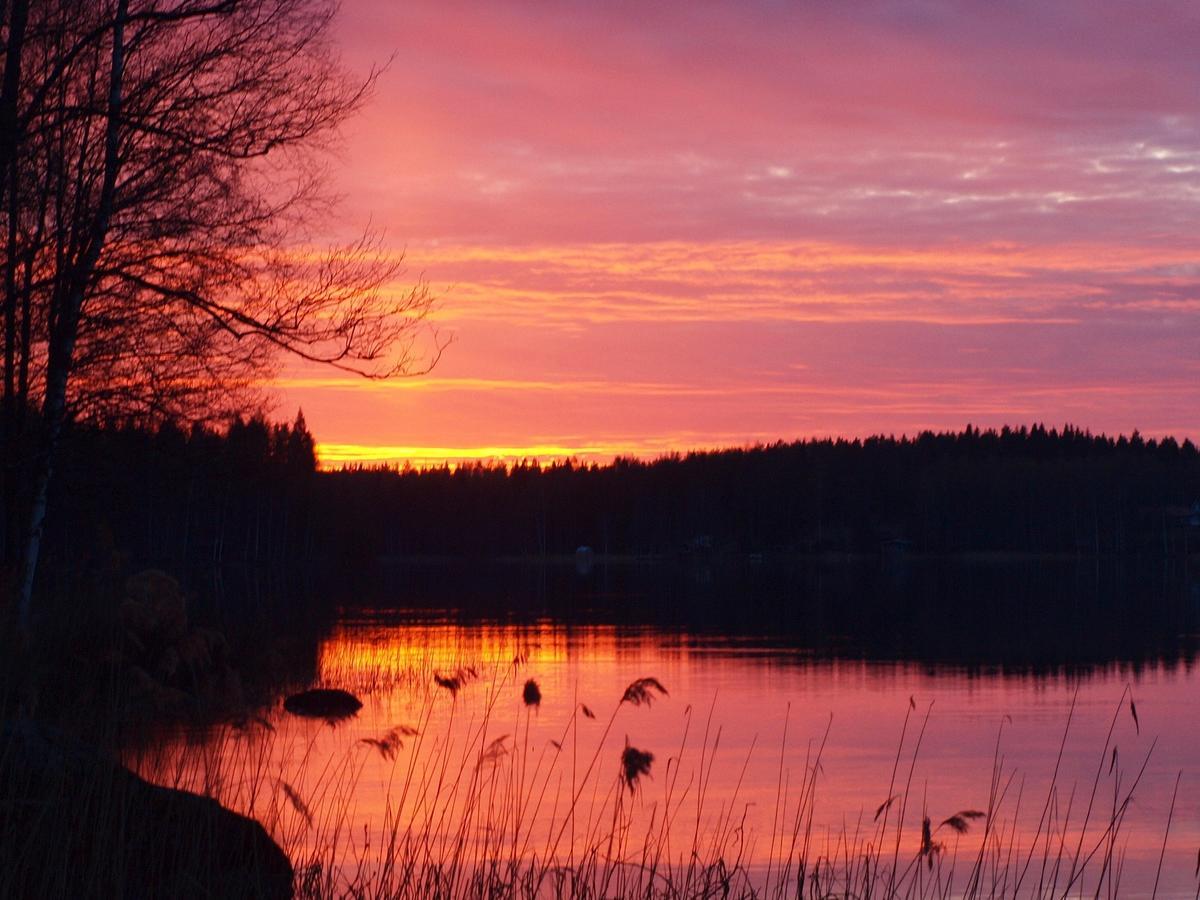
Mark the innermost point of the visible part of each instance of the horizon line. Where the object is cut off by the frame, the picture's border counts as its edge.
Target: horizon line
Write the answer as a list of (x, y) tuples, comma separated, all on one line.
[(334, 456)]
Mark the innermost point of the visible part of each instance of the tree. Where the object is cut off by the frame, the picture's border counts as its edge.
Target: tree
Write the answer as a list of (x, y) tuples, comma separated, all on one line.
[(161, 174)]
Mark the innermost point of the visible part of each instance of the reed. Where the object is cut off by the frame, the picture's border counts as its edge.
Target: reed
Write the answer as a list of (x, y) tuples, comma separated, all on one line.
[(467, 804)]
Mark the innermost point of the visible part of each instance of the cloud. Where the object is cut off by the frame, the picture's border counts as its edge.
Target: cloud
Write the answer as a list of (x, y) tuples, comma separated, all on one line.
[(574, 286), (602, 122), (680, 224)]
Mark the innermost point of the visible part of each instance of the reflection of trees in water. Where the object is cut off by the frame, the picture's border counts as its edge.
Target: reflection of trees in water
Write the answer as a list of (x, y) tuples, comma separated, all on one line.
[(1008, 617), (1043, 619)]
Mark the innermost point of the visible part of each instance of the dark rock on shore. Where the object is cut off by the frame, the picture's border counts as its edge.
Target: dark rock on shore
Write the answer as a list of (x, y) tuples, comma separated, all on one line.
[(330, 704), (75, 823), (168, 664)]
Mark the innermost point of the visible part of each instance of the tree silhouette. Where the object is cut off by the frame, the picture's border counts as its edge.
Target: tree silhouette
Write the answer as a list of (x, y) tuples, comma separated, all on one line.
[(160, 177), (249, 493)]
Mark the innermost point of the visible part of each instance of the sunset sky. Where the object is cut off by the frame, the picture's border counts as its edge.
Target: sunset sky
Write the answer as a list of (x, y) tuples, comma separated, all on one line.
[(664, 226)]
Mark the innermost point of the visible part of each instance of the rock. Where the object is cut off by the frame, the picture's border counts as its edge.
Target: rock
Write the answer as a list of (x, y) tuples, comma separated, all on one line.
[(154, 611), (73, 822), (330, 704), (151, 695), (163, 658)]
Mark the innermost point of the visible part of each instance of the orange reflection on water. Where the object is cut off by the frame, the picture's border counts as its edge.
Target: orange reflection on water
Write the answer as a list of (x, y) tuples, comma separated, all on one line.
[(735, 743), (364, 654)]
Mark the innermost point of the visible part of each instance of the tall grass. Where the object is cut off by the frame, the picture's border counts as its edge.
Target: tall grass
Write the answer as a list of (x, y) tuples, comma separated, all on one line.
[(469, 805)]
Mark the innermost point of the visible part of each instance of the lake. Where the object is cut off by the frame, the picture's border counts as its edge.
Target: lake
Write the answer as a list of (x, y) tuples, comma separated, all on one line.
[(1038, 715)]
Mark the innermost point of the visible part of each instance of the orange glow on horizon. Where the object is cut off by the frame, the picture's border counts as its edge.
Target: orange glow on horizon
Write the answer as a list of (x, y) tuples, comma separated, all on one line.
[(336, 456)]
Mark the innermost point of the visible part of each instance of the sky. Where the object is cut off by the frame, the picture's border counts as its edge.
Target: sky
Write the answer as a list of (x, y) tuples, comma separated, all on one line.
[(658, 227)]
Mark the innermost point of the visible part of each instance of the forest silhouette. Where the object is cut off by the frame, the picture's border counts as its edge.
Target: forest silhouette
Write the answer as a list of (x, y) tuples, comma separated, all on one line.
[(253, 494)]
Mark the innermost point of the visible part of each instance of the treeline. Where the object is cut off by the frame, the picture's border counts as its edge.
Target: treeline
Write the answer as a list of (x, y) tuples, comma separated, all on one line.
[(130, 496), (1022, 490), (252, 494)]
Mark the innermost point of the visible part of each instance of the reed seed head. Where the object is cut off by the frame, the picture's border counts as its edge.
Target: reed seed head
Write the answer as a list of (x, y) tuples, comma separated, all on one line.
[(634, 764), (532, 695), (642, 691)]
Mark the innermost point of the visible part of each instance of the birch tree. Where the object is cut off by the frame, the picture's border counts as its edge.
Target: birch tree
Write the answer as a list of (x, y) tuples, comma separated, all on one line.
[(162, 174)]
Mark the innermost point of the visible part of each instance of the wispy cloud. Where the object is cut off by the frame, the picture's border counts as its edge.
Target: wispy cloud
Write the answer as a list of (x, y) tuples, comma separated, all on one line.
[(690, 224), (950, 284)]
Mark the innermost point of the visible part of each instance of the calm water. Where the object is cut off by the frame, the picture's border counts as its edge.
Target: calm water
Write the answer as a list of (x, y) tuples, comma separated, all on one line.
[(768, 730)]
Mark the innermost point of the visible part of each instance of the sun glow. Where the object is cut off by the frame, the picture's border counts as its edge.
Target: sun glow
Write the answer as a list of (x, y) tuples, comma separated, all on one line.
[(337, 456)]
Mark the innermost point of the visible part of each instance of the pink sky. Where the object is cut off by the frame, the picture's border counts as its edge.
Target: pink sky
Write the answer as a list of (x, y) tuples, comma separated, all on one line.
[(665, 226)]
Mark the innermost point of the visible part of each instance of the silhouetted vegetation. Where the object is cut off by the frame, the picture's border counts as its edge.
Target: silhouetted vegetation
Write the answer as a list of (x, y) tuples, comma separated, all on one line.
[(252, 494), (1018, 490), (157, 182), (747, 542), (129, 494)]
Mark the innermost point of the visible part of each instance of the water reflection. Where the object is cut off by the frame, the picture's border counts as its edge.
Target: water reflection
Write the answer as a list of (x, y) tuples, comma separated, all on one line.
[(1043, 617), (785, 723)]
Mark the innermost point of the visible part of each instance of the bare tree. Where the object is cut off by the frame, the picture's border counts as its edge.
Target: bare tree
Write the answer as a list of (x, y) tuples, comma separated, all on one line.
[(160, 181)]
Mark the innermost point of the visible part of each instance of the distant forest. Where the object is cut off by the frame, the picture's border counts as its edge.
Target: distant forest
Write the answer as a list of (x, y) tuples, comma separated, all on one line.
[(252, 494)]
